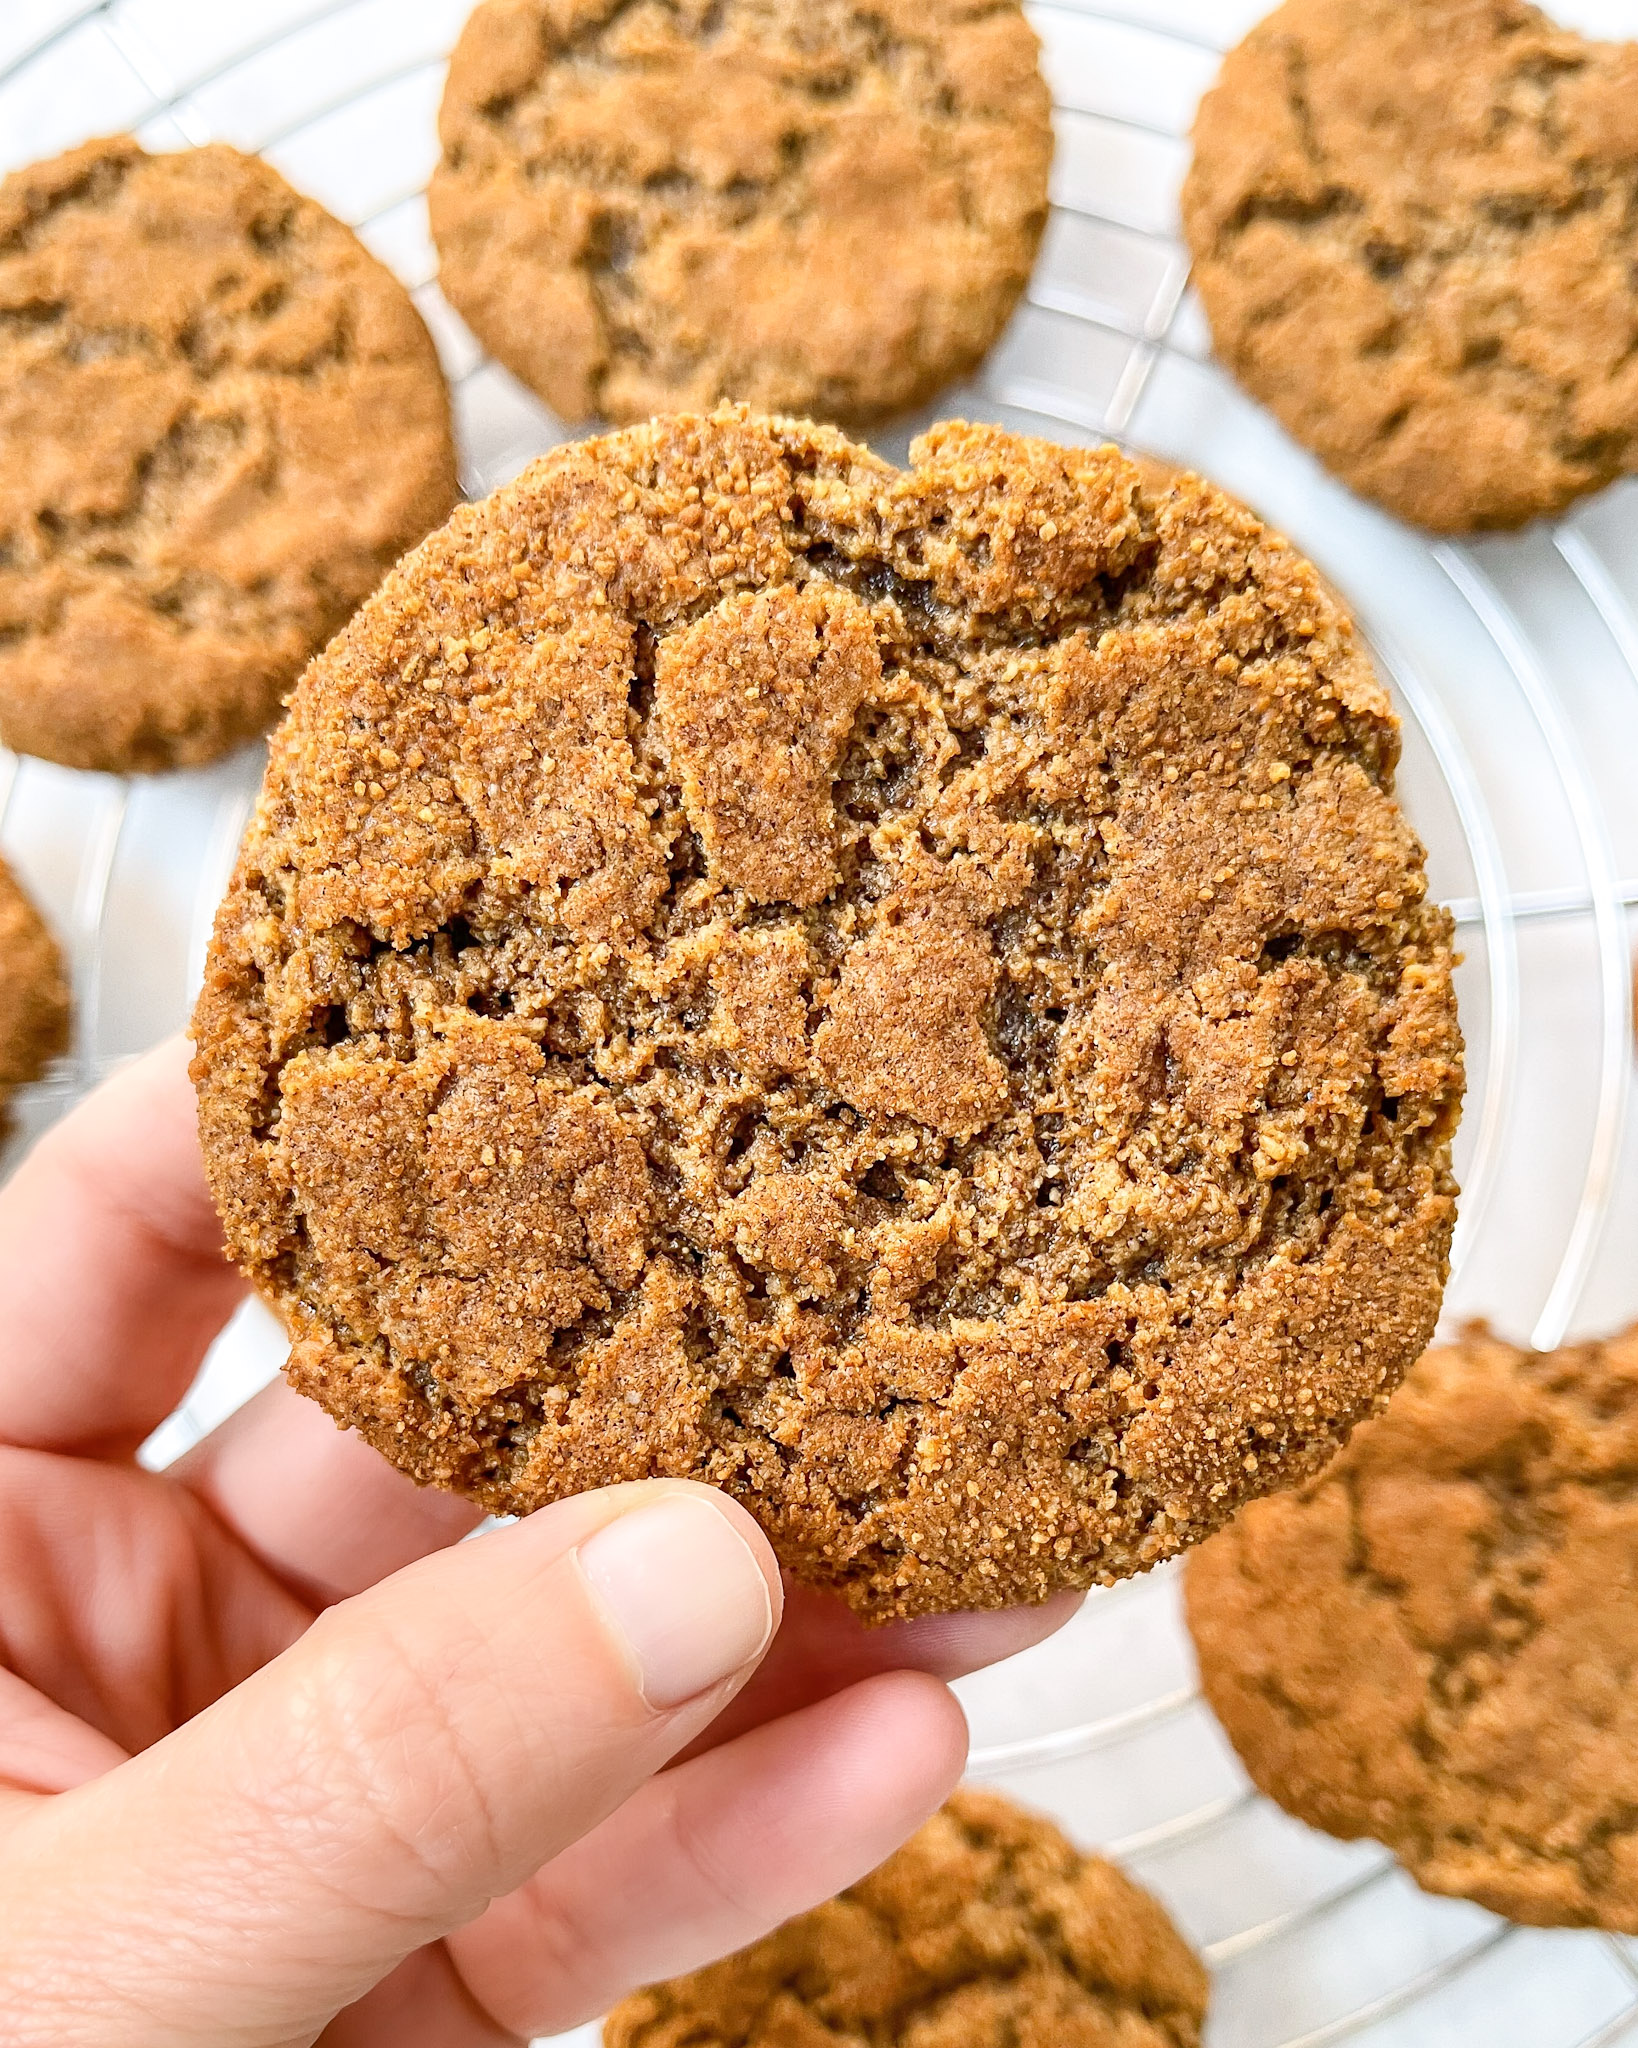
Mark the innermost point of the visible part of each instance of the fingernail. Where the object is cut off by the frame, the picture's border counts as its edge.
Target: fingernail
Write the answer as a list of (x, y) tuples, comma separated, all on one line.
[(681, 1587)]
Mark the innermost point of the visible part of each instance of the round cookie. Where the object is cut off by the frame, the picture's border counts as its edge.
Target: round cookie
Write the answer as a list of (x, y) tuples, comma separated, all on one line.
[(815, 207), (34, 1006), (1415, 231), (220, 421), (904, 995), (1433, 1643), (988, 1926)]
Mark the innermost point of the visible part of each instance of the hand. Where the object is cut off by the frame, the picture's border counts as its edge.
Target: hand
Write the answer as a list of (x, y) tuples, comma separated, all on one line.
[(280, 1758)]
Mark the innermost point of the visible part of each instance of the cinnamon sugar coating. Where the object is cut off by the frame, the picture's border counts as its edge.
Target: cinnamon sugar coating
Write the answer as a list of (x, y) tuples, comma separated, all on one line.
[(904, 995), (1432, 1643), (988, 1926)]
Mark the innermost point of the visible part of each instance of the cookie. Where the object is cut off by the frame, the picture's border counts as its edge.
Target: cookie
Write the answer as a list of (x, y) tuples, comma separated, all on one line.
[(34, 1007), (1415, 231), (988, 1926), (1433, 1642), (810, 205), (905, 995), (221, 420)]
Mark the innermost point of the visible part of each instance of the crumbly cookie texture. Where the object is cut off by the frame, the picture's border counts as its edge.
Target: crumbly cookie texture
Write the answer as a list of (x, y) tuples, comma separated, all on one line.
[(221, 420), (986, 1927), (812, 205), (1431, 1643), (1415, 230), (905, 995), (34, 1005)]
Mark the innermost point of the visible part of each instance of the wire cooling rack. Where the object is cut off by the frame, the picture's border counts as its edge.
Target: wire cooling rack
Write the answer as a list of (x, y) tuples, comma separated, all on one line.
[(1514, 662)]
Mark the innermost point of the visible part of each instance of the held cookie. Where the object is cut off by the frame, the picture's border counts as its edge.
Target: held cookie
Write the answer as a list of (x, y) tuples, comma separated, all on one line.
[(221, 420), (1415, 230), (806, 204), (1433, 1643), (988, 1926), (904, 995), (34, 1006)]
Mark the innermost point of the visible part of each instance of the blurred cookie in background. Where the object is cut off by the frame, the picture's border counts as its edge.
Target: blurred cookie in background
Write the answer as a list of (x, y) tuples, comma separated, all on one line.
[(34, 1002), (1415, 231), (1434, 1642), (821, 209), (221, 421), (988, 1926)]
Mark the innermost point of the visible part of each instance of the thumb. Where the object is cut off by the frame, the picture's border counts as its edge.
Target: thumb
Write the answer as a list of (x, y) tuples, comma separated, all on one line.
[(418, 1753)]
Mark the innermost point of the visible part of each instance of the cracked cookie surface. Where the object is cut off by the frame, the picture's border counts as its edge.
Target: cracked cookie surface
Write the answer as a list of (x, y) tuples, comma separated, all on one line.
[(987, 1926), (221, 420), (1432, 1643), (34, 1004), (809, 205), (1415, 231), (905, 995)]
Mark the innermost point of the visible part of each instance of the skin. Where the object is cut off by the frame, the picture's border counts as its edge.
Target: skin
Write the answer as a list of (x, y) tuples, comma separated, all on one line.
[(283, 1761)]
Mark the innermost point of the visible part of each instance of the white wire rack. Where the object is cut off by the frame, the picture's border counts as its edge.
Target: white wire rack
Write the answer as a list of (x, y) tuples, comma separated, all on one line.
[(1514, 662)]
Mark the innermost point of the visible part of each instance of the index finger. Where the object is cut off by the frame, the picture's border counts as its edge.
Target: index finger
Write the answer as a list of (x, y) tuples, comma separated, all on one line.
[(111, 1266), (823, 1648)]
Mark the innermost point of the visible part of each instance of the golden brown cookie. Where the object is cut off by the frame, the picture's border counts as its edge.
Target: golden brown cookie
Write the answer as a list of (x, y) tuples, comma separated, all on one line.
[(904, 995), (987, 1927), (810, 205), (220, 421), (34, 1008), (1433, 1643), (1415, 230)]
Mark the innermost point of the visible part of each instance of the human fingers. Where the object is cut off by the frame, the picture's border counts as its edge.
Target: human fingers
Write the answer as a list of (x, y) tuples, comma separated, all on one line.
[(124, 1601), (422, 1750), (823, 1647), (43, 1747), (329, 1516), (323, 1512), (715, 1853), (111, 1266), (423, 2004)]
